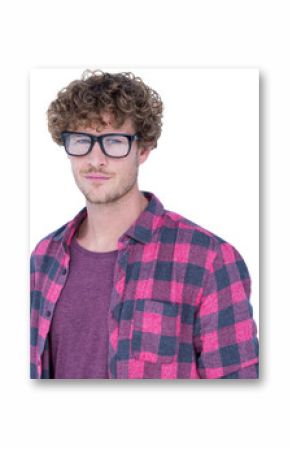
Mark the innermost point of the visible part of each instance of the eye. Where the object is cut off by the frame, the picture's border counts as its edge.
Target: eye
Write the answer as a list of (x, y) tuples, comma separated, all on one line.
[(80, 141), (110, 141), (83, 141)]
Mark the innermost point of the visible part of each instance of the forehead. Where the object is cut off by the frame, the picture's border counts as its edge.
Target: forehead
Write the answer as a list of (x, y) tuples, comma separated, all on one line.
[(109, 126)]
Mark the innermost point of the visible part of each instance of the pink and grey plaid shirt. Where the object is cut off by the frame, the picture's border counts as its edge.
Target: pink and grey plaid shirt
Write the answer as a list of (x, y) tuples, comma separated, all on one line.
[(180, 305)]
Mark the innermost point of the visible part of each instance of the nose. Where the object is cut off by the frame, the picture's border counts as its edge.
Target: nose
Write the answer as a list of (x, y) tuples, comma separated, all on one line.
[(97, 156)]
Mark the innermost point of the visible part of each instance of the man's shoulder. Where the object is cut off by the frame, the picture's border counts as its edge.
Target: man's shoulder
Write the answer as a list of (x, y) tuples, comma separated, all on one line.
[(177, 229), (184, 228), (54, 238)]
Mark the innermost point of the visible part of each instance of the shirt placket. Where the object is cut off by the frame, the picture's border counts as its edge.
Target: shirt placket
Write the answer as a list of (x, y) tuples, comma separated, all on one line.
[(117, 298), (54, 289)]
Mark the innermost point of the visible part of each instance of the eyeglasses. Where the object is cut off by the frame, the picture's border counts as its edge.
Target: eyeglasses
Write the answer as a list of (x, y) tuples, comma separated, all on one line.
[(114, 145)]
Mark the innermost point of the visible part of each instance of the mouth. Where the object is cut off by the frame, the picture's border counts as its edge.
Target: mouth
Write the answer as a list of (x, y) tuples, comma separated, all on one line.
[(97, 178)]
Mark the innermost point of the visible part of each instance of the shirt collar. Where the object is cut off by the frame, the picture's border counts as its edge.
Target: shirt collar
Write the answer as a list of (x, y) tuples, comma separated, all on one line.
[(141, 230)]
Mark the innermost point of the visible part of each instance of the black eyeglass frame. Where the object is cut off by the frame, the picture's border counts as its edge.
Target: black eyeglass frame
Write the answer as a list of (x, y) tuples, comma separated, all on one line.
[(131, 138)]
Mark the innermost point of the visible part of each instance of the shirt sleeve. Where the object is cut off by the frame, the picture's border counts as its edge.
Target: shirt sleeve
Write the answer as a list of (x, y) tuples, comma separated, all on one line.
[(250, 372), (33, 329), (225, 333), (32, 279)]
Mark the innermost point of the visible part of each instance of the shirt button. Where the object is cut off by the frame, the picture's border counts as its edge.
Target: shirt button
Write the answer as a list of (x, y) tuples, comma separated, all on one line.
[(48, 313), (63, 271)]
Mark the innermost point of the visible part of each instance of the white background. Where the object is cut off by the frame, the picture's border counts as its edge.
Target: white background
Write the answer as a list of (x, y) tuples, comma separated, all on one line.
[(211, 34), (206, 164)]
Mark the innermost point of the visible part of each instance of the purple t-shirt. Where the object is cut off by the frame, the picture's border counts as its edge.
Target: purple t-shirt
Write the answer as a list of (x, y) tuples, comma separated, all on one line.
[(79, 334)]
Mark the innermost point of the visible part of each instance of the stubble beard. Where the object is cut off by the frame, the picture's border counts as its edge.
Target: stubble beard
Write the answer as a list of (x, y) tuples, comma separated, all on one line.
[(93, 195)]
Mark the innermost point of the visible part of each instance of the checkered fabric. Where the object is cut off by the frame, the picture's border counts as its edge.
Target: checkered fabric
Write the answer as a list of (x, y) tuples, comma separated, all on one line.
[(180, 305)]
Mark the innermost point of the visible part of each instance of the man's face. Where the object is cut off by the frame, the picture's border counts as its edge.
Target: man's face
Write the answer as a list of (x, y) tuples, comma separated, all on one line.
[(122, 172)]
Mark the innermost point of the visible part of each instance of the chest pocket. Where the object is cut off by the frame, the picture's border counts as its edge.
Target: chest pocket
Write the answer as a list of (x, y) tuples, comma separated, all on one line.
[(155, 330)]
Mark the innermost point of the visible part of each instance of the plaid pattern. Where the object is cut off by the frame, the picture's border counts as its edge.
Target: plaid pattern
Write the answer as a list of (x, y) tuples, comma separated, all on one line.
[(180, 305)]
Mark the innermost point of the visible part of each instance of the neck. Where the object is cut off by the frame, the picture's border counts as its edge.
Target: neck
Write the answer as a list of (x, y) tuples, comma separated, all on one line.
[(105, 223)]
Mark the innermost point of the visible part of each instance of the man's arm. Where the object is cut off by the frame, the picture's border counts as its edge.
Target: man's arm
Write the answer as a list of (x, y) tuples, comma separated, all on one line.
[(251, 372), (225, 334), (33, 329)]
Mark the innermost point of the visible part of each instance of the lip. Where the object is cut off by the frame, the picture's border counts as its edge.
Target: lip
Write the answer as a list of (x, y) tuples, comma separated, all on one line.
[(101, 178)]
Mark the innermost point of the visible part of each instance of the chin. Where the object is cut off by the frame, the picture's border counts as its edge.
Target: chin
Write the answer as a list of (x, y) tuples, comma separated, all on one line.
[(106, 196), (101, 198)]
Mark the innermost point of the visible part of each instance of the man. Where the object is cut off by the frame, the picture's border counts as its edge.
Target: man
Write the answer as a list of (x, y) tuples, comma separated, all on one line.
[(127, 289)]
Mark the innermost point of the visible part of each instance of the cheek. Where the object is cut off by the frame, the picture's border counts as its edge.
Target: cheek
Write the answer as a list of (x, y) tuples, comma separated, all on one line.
[(129, 170), (74, 167), (124, 168), (78, 167)]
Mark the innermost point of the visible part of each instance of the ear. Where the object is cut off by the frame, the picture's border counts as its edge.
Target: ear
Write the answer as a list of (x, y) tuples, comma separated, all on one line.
[(143, 154)]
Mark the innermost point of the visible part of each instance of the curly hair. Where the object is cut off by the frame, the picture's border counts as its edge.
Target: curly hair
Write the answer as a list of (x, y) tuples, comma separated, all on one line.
[(123, 95)]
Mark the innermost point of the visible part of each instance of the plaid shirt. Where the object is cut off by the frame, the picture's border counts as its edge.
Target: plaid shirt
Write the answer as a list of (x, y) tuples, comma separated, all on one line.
[(180, 306)]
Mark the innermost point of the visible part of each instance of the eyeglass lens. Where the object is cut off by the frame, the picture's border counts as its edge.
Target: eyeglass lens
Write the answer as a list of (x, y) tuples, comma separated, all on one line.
[(78, 144)]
